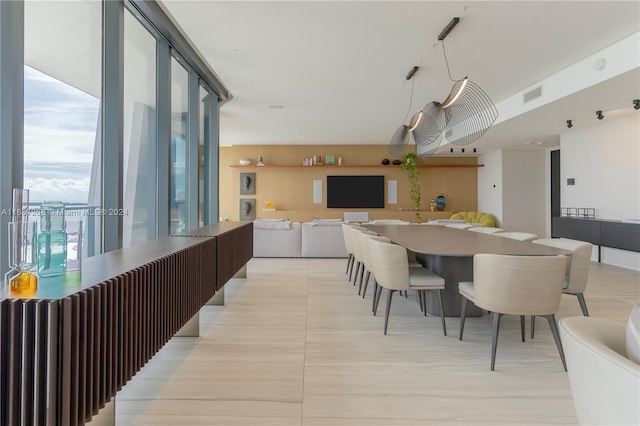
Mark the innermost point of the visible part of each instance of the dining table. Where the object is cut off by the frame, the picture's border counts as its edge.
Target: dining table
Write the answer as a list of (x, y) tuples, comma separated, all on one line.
[(449, 253)]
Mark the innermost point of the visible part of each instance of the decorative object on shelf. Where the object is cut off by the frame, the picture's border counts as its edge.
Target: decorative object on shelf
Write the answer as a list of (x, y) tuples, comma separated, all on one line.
[(587, 212), (339, 161), (22, 258), (396, 162), (385, 162), (244, 162), (247, 183), (330, 159), (52, 240), (410, 164), (22, 247), (247, 209), (441, 201), (433, 205), (464, 116), (260, 162), (269, 206), (74, 228)]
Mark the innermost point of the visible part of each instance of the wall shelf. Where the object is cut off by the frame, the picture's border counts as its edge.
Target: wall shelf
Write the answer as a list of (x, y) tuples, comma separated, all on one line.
[(422, 166)]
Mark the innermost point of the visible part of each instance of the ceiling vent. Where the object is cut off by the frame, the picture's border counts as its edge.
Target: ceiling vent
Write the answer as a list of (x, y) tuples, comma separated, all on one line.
[(535, 93)]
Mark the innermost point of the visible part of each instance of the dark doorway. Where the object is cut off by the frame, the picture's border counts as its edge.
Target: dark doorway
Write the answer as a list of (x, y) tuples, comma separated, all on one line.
[(555, 186)]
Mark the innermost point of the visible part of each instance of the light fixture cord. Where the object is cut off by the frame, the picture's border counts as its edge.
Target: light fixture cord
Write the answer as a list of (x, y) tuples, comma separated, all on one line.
[(446, 61), (410, 99)]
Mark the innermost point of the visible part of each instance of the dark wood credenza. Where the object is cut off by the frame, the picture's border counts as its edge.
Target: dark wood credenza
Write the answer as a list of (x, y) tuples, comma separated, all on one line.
[(600, 232), (66, 352)]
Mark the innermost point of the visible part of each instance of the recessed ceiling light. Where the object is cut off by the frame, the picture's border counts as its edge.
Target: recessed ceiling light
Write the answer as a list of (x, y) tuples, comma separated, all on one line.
[(599, 64), (276, 106)]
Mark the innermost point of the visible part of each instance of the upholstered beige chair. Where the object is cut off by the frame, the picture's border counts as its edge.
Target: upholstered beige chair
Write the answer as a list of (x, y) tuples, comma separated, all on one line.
[(358, 243), (520, 236), (368, 263), (486, 229), (577, 270), (515, 285), (460, 225), (346, 234), (605, 383), (390, 222), (391, 270)]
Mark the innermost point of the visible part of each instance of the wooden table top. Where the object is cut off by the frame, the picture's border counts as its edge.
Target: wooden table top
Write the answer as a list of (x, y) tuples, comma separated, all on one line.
[(443, 241)]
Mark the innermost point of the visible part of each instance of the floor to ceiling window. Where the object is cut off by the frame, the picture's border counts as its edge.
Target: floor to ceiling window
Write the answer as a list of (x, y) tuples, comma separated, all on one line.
[(62, 86), (179, 145), (139, 138), (203, 139)]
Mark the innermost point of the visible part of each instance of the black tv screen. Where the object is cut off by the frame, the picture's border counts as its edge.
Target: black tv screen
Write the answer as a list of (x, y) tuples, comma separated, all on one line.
[(355, 192)]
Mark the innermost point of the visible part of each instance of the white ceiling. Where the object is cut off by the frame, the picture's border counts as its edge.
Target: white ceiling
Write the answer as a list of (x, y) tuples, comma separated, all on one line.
[(338, 68)]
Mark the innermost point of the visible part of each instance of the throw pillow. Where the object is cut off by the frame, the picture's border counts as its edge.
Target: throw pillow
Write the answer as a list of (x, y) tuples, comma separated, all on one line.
[(633, 334)]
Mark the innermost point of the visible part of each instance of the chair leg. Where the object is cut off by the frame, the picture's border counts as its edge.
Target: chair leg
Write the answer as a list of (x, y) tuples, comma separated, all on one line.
[(386, 314), (366, 283), (358, 263), (353, 261), (463, 314), (444, 325), (494, 339), (583, 304), (375, 294), (361, 279), (378, 296), (349, 263), (533, 325), (422, 303), (522, 327), (556, 337)]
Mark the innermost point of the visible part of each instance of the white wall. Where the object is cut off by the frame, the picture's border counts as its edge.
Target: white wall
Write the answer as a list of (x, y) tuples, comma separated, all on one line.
[(512, 186), (604, 159), (490, 184), (523, 194)]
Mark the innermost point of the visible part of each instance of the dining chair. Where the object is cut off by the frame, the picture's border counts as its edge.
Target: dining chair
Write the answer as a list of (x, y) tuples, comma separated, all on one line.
[(391, 270), (515, 285), (520, 236), (366, 256), (346, 234), (485, 229), (576, 271), (460, 225), (358, 253), (390, 222)]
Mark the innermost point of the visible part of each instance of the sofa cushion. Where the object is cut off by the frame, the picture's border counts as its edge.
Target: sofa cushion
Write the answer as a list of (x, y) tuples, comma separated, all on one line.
[(484, 219), (633, 334), (277, 242)]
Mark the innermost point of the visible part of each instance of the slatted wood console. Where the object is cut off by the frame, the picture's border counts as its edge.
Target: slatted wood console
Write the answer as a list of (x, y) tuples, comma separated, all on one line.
[(66, 352)]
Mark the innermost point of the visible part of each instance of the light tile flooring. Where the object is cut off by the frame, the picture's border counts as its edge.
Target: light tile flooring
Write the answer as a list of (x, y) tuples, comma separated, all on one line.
[(295, 345)]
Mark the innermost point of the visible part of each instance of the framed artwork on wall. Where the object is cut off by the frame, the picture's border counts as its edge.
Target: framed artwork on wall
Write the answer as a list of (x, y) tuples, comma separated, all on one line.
[(247, 209), (330, 159), (247, 183)]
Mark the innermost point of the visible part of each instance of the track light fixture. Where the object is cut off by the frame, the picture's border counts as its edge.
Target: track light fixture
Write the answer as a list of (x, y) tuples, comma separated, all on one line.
[(636, 104), (569, 124), (599, 115)]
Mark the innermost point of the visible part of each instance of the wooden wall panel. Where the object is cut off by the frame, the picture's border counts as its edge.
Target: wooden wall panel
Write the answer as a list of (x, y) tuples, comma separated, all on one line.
[(290, 188)]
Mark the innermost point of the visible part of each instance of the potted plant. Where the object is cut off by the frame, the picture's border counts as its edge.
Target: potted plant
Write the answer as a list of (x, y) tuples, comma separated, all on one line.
[(410, 164)]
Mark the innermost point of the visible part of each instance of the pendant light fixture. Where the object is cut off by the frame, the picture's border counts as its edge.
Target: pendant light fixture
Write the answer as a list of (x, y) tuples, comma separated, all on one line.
[(464, 116)]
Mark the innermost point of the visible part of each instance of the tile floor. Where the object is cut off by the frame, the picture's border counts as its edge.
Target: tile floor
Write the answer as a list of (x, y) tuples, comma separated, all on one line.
[(295, 345)]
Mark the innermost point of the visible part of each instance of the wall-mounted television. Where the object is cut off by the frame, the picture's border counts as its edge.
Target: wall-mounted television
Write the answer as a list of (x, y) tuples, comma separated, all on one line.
[(355, 192)]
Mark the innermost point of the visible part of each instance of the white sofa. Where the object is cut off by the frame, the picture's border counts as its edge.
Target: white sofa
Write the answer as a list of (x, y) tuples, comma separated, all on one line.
[(309, 239), (323, 239), (277, 242), (605, 383)]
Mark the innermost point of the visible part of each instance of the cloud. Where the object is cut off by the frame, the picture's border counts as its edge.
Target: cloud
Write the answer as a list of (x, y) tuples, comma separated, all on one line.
[(41, 189)]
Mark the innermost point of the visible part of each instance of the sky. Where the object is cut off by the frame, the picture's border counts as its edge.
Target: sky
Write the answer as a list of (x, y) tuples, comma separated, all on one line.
[(60, 125)]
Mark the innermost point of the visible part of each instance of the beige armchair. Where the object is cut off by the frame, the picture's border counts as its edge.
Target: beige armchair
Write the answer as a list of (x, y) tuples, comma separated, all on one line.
[(515, 285), (520, 236), (605, 384), (577, 270), (346, 234), (486, 229), (391, 270)]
